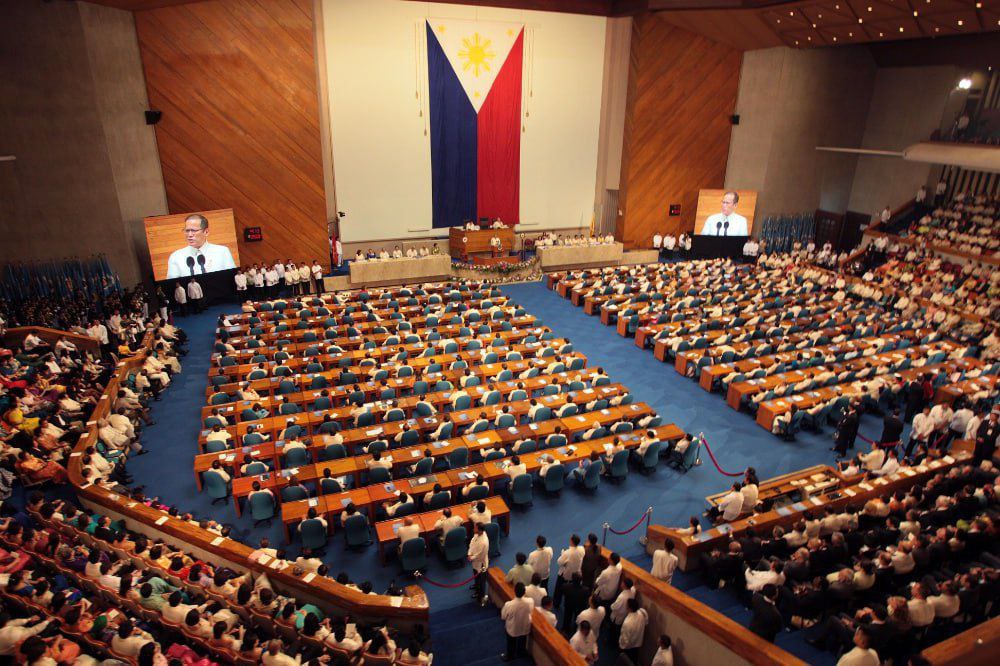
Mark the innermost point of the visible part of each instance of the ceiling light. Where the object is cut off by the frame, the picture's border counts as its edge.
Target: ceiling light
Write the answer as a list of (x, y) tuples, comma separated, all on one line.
[(960, 23), (937, 29), (979, 5), (861, 20), (869, 8), (881, 35), (796, 42), (836, 6), (850, 34), (814, 25), (779, 20), (915, 13), (965, 84), (819, 16), (901, 28), (809, 39), (791, 13)]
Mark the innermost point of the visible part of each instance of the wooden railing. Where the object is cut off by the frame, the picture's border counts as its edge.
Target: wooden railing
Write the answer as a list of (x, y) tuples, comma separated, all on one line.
[(402, 612), (546, 644), (978, 646), (50, 335), (700, 634)]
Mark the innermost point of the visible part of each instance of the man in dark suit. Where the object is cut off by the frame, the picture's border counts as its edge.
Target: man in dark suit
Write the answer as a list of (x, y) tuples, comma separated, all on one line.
[(847, 431), (766, 621), (986, 438), (892, 428), (575, 598)]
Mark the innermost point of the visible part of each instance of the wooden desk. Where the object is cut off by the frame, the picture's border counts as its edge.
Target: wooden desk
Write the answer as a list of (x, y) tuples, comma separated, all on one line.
[(478, 241), (387, 531)]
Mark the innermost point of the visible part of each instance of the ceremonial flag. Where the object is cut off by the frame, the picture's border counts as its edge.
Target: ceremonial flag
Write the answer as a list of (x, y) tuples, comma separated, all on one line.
[(474, 97)]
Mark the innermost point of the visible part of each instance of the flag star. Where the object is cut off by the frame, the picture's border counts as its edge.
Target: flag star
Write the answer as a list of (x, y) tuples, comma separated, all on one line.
[(475, 94), (440, 28), (510, 32)]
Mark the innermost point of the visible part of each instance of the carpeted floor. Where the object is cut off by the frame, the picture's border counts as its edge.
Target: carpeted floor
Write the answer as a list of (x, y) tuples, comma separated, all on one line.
[(737, 441)]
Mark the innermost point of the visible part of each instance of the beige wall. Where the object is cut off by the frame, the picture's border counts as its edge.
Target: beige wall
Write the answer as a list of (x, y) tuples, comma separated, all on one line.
[(789, 102), (894, 122), (86, 168)]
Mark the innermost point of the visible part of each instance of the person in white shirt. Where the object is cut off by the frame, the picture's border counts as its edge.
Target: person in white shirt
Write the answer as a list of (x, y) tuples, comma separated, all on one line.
[(756, 580), (195, 294), (657, 241), (570, 562), (861, 654), (728, 222), (317, 275), (479, 559), (540, 560), (14, 632), (275, 657), (665, 562), (516, 615), (198, 256), (546, 610), (407, 531), (730, 506), (890, 466), (584, 642), (633, 630), (606, 584), (180, 298), (241, 281), (664, 653), (447, 523)]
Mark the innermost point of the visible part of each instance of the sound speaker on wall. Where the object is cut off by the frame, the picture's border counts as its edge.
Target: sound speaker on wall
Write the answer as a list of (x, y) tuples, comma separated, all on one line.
[(153, 117), (734, 119)]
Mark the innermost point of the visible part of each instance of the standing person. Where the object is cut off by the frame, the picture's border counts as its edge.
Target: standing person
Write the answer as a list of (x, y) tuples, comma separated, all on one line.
[(305, 278), (180, 298), (279, 267), (847, 431), (516, 615), (766, 621), (479, 558), (271, 282), (164, 302), (241, 284), (633, 630), (291, 279), (540, 560), (939, 191), (317, 276), (570, 562), (195, 295), (259, 278), (892, 429), (986, 438)]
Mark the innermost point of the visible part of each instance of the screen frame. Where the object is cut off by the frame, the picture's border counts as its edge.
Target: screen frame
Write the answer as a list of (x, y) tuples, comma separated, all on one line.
[(163, 230)]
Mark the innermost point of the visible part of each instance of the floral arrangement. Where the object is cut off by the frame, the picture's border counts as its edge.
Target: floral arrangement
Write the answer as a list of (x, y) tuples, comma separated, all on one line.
[(499, 269)]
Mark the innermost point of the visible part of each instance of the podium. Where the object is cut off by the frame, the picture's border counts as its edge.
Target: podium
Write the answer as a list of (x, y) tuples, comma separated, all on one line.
[(464, 244)]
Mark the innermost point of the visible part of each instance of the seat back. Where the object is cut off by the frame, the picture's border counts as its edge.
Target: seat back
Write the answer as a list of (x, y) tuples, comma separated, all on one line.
[(555, 477)]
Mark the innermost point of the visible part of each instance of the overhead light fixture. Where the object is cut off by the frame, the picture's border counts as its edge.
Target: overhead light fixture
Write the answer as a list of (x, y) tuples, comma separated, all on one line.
[(965, 84), (881, 35), (814, 25), (960, 23), (869, 7), (915, 13), (861, 20), (850, 34), (901, 28), (834, 39), (979, 5)]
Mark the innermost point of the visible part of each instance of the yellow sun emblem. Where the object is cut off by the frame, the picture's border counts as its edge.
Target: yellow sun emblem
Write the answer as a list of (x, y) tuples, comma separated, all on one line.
[(476, 53)]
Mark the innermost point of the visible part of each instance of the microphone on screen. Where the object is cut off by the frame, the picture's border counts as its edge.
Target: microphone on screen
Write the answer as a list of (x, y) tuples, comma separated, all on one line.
[(726, 225), (201, 258), (190, 263), (718, 228)]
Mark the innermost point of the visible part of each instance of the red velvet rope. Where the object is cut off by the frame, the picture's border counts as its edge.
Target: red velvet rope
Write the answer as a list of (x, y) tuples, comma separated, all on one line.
[(716, 462), (638, 522)]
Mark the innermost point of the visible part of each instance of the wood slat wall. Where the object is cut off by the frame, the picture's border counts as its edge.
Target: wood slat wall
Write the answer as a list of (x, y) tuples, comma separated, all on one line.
[(681, 93), (236, 82)]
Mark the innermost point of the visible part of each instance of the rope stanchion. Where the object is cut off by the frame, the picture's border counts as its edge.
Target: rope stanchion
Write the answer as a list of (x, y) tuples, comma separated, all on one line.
[(445, 585), (638, 522), (886, 445), (714, 461)]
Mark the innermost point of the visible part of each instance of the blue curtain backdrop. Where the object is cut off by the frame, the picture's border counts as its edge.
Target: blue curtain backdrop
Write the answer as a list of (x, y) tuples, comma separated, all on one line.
[(453, 141)]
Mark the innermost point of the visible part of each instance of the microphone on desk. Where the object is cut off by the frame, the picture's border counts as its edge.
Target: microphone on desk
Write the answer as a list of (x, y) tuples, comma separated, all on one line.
[(190, 263), (201, 258), (718, 228), (725, 226)]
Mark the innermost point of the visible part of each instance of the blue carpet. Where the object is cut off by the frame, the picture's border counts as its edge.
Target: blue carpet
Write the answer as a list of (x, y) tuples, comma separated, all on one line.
[(737, 441)]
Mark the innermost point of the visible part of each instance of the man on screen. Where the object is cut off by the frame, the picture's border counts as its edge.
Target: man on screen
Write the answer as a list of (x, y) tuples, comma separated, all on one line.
[(198, 256), (728, 222)]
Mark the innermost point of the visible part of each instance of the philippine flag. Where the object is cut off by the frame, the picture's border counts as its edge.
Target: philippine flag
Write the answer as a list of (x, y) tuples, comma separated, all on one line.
[(474, 98)]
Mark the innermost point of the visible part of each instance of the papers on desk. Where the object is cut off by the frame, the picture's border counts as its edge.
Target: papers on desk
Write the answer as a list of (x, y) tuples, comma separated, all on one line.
[(438, 445), (308, 578), (797, 398), (415, 453), (217, 541), (725, 529), (533, 426), (908, 472), (395, 527), (582, 419), (389, 487), (313, 501), (799, 506), (76, 454), (783, 511), (818, 477), (588, 391), (816, 501), (608, 447), (373, 432), (396, 601), (483, 440), (849, 492), (603, 411), (465, 476), (275, 564), (948, 459), (865, 486), (429, 419), (797, 482), (344, 501), (162, 519)]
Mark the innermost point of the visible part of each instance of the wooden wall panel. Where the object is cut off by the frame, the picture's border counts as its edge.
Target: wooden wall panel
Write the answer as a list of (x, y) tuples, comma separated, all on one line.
[(681, 93), (236, 82)]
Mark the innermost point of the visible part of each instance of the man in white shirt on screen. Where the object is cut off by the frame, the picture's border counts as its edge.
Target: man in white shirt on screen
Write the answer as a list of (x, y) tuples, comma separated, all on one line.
[(198, 256), (728, 222)]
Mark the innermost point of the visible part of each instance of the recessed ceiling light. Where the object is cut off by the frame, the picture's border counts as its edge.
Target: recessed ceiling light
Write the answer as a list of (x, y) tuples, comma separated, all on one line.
[(836, 6), (961, 23), (834, 39), (869, 8), (937, 29), (791, 13), (916, 13), (814, 25), (901, 28), (881, 35), (779, 20), (861, 20), (979, 5), (850, 34), (796, 42), (819, 16), (965, 84)]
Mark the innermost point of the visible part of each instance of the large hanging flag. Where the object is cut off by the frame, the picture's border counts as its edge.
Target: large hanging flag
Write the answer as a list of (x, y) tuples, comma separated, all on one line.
[(474, 98)]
